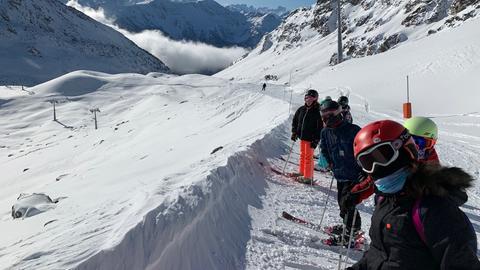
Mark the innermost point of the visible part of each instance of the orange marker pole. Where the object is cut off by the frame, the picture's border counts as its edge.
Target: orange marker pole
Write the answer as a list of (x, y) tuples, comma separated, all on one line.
[(407, 107)]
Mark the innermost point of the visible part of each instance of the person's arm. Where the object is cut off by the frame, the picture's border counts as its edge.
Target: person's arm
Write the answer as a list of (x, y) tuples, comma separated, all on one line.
[(449, 235), (358, 193), (324, 146), (295, 121)]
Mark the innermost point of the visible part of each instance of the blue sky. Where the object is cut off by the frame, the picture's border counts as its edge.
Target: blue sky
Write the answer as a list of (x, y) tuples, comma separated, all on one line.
[(290, 4)]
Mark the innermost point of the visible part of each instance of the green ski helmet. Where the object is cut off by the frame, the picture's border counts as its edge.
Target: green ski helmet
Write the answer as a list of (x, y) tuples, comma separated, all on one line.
[(422, 126)]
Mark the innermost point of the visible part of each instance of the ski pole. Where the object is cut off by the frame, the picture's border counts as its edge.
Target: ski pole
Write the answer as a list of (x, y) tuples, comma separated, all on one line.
[(343, 239), (326, 201), (351, 235), (289, 154)]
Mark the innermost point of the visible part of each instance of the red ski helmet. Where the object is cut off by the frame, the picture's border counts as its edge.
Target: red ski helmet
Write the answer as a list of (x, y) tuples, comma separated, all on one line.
[(379, 144)]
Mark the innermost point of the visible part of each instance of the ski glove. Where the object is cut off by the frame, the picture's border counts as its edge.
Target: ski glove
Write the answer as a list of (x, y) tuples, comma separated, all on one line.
[(294, 137), (364, 189), (349, 200)]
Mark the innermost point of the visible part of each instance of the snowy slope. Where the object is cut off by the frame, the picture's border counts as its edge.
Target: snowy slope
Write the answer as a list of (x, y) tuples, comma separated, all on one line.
[(442, 69), (147, 171), (204, 21), (43, 39)]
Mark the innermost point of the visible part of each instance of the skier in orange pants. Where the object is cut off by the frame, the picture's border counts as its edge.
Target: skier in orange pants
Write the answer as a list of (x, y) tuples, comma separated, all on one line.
[(307, 125)]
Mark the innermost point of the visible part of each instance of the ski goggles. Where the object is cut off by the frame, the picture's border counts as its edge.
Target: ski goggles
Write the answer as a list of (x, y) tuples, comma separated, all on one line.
[(382, 154), (423, 143)]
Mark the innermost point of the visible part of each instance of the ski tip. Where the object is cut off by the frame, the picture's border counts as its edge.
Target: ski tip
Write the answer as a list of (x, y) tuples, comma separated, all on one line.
[(286, 215)]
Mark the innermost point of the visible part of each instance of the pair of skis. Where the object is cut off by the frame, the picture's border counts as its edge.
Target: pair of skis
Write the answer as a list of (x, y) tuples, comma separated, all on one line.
[(335, 239), (293, 176), (317, 168)]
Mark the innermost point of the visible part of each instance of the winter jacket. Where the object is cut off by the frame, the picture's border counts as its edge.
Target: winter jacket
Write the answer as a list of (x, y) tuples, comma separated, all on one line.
[(450, 238), (337, 148), (307, 123), (432, 157)]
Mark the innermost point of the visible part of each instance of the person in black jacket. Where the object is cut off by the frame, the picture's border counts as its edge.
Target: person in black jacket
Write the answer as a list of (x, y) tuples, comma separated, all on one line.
[(417, 222), (347, 115), (307, 125), (336, 145)]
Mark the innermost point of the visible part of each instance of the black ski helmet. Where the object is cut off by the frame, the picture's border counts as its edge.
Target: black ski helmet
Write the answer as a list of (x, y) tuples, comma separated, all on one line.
[(312, 93), (331, 113), (329, 105), (343, 101)]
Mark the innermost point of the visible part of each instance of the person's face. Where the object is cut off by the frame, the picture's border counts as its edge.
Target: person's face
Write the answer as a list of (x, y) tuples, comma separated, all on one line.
[(309, 100)]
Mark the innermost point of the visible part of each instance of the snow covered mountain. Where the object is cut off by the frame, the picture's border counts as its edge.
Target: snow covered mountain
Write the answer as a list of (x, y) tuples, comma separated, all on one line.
[(369, 26), (205, 21), (43, 39)]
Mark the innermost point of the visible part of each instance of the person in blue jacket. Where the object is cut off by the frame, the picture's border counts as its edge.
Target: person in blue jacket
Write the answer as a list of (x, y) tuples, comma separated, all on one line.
[(337, 147)]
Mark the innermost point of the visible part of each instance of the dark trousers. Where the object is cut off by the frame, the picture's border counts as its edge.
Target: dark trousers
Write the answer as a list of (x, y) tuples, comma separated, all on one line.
[(347, 213)]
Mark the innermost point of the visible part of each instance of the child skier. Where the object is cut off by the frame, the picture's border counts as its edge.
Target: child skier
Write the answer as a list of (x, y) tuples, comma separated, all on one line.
[(306, 125), (343, 102), (337, 148), (417, 222), (425, 133)]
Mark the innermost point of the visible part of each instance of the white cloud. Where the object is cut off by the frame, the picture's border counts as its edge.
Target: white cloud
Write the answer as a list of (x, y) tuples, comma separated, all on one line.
[(181, 57)]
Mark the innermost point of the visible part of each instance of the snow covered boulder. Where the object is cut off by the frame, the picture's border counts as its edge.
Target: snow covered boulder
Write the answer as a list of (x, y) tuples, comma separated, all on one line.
[(28, 205)]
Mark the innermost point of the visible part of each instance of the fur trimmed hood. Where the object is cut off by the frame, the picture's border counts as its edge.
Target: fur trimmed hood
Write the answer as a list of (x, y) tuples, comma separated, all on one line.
[(439, 181)]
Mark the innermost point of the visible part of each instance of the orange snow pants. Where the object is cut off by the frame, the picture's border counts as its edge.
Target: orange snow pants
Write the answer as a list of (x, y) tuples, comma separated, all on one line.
[(306, 159)]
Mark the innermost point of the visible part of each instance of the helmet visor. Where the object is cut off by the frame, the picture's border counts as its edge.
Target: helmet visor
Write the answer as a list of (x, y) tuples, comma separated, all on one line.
[(423, 143), (382, 154)]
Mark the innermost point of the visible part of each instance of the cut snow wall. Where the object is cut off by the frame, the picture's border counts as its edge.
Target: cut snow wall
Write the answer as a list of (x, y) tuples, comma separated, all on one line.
[(208, 227)]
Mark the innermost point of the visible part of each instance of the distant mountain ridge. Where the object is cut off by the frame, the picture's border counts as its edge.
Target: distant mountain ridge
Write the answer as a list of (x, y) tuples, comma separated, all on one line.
[(44, 39), (204, 20), (246, 9)]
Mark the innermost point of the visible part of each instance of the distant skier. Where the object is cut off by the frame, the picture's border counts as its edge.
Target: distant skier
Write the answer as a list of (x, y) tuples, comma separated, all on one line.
[(306, 125), (417, 222), (425, 133), (347, 116), (264, 86), (337, 148)]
